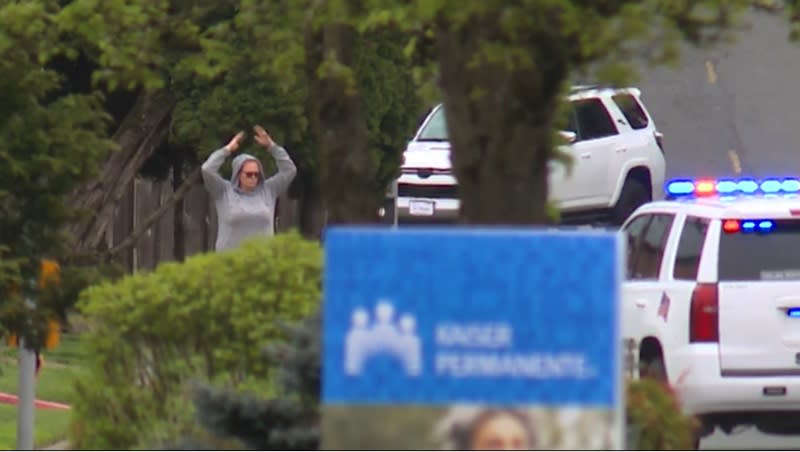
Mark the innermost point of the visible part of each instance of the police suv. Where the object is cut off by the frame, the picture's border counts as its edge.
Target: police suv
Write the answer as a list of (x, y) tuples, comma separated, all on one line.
[(711, 300)]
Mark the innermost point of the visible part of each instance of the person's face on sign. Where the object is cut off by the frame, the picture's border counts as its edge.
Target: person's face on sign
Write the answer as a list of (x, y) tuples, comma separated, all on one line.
[(500, 432)]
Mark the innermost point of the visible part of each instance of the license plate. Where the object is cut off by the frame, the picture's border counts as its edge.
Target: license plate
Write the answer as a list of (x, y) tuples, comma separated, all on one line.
[(421, 208)]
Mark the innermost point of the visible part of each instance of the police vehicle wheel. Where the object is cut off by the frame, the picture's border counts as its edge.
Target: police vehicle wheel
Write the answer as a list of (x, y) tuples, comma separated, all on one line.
[(634, 194), (654, 369)]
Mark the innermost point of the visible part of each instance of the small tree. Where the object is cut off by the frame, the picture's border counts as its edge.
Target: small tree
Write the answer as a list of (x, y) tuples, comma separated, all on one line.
[(289, 421)]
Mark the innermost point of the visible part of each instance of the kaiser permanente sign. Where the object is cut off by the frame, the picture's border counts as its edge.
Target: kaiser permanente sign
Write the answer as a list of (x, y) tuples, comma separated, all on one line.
[(441, 317)]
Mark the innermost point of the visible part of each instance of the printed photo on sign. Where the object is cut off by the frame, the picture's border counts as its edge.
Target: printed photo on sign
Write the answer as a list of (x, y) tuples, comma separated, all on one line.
[(466, 427), (471, 340)]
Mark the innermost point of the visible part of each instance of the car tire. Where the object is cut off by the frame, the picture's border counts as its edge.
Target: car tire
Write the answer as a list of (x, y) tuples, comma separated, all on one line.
[(634, 193), (654, 369)]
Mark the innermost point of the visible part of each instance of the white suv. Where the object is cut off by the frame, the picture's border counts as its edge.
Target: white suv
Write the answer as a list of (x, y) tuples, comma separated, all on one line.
[(711, 301), (617, 165)]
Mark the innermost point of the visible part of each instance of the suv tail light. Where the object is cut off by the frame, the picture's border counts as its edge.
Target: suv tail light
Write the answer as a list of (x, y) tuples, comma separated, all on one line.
[(704, 314), (659, 140)]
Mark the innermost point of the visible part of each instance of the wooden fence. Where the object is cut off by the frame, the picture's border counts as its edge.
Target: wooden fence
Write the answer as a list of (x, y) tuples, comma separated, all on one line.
[(156, 245)]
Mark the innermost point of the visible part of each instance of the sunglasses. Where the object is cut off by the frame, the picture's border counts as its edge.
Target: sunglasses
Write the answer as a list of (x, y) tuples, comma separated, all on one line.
[(252, 174)]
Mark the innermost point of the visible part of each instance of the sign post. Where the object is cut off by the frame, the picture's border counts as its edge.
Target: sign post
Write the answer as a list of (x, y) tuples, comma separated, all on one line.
[(49, 273), (472, 340), (26, 397)]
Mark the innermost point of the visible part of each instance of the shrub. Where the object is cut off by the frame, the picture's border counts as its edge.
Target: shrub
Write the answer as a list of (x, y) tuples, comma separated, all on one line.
[(654, 418), (288, 421), (207, 318)]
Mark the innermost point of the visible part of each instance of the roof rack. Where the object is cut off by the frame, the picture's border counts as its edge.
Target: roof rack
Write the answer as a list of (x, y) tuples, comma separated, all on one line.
[(584, 87), (576, 89)]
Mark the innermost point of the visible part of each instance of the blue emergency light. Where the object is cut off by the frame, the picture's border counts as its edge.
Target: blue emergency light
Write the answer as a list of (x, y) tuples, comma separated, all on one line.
[(745, 186)]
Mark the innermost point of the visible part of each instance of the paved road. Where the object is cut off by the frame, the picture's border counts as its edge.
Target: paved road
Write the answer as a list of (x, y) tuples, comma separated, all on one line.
[(733, 110)]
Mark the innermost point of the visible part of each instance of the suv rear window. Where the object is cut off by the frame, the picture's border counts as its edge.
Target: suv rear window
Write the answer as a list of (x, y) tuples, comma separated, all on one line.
[(632, 110), (770, 256)]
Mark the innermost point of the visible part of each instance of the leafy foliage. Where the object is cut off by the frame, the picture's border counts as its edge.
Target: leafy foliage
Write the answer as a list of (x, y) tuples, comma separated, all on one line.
[(289, 421), (51, 139), (207, 318), (655, 420)]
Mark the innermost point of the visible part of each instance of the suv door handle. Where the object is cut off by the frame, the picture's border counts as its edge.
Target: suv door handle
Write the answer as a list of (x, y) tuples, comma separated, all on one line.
[(640, 303), (586, 155)]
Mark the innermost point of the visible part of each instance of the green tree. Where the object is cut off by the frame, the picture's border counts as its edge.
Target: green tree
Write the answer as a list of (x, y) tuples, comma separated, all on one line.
[(51, 140), (191, 77), (504, 68)]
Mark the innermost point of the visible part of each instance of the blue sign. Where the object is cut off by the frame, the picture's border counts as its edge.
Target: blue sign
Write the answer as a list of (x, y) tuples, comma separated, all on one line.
[(442, 316)]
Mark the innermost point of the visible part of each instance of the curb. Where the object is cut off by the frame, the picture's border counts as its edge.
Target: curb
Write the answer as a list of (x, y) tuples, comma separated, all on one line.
[(11, 399)]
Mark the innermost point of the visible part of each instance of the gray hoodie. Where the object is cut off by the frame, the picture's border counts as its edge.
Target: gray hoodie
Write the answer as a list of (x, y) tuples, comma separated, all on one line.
[(241, 215)]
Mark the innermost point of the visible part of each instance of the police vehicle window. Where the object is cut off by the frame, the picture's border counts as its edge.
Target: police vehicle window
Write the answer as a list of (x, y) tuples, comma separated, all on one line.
[(593, 119), (633, 235), (650, 253), (436, 128), (761, 256), (632, 110), (690, 246)]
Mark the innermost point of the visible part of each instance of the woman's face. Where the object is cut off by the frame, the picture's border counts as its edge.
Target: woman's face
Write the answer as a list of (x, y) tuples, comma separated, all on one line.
[(249, 175), (500, 432)]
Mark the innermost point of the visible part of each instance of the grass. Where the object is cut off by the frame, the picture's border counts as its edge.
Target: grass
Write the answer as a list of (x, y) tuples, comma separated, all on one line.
[(55, 383)]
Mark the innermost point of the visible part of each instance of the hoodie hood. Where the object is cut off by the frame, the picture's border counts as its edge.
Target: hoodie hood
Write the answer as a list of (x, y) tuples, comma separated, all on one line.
[(236, 167)]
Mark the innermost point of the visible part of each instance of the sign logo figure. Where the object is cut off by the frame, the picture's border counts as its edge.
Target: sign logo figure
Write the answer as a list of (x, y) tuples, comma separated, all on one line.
[(367, 339)]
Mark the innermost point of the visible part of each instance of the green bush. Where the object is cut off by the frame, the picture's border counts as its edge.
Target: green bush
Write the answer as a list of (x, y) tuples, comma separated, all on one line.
[(207, 318), (654, 418)]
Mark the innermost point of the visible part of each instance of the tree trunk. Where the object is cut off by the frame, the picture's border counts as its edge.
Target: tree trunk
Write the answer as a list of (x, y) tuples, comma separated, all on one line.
[(501, 141), (141, 132), (178, 211), (311, 215), (347, 168)]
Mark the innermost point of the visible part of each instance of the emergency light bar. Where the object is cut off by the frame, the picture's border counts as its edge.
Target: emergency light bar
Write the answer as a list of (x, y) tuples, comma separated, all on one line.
[(733, 226), (710, 187)]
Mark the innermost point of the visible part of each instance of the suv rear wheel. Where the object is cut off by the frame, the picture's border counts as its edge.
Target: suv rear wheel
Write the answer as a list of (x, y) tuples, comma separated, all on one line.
[(634, 194)]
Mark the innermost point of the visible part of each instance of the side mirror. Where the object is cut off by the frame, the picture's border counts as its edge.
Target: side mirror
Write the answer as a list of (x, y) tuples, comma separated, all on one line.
[(569, 136)]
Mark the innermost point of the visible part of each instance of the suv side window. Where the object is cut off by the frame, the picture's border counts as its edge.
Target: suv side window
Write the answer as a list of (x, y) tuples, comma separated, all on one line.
[(633, 235), (690, 247), (650, 251), (632, 110), (593, 120)]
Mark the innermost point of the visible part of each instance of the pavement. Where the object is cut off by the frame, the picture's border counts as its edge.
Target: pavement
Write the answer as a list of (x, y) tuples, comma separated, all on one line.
[(732, 111), (61, 445)]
